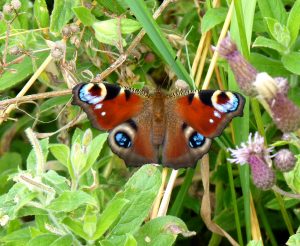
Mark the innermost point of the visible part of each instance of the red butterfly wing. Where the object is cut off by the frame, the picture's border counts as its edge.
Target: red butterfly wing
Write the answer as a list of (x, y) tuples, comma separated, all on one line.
[(208, 112), (107, 105)]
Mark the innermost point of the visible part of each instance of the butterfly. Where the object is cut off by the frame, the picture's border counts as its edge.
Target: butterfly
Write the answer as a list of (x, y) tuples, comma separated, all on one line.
[(173, 129)]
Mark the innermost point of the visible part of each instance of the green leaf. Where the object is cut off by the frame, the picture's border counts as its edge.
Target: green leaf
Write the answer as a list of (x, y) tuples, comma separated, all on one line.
[(19, 236), (84, 15), (61, 152), (89, 221), (291, 62), (141, 12), (57, 182), (269, 65), (279, 32), (62, 241), (114, 6), (76, 227), (130, 240), (44, 239), (294, 239), (20, 71), (108, 31), (293, 22), (109, 215), (61, 14), (71, 200), (292, 178), (269, 43), (213, 17), (31, 161), (161, 231), (54, 102), (41, 13), (140, 190), (273, 9), (288, 203), (93, 151)]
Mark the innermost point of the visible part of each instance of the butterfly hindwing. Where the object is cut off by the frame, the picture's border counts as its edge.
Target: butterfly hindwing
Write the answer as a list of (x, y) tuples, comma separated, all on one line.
[(208, 111), (183, 146), (107, 105)]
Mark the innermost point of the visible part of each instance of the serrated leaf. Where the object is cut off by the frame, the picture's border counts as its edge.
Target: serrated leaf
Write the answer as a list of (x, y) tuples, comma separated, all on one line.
[(213, 17), (20, 71), (70, 200), (41, 13), (269, 43), (291, 62), (61, 14), (140, 191), (161, 231), (293, 22), (109, 215), (84, 15)]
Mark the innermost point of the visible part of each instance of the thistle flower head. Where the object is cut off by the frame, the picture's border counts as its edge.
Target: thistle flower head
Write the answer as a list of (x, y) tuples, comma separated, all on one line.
[(244, 72), (257, 155), (285, 113), (254, 146)]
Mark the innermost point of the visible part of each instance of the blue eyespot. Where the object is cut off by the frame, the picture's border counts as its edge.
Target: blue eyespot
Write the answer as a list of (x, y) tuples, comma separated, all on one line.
[(196, 140), (122, 140)]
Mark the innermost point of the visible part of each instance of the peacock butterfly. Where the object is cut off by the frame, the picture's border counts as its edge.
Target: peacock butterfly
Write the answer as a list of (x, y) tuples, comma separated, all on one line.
[(173, 129)]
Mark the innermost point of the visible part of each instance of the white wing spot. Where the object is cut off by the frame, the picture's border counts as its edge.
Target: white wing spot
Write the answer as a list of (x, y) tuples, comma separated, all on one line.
[(103, 113), (98, 106), (217, 114), (211, 121)]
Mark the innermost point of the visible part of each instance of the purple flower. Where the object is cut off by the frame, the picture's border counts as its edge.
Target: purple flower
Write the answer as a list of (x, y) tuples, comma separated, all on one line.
[(244, 72), (258, 156)]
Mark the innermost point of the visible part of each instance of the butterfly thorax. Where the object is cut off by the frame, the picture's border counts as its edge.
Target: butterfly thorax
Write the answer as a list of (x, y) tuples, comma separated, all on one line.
[(158, 117)]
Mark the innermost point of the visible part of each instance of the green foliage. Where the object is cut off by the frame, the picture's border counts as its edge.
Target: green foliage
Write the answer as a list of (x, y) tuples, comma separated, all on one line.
[(64, 186)]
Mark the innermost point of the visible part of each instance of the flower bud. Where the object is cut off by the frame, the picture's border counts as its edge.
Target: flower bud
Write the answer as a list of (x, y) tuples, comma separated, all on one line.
[(74, 28), (15, 50), (66, 31), (7, 9), (284, 160), (58, 50), (16, 4)]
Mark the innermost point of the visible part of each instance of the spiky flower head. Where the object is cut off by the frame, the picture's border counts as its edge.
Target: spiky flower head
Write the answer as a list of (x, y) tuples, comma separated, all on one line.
[(244, 72), (254, 146), (258, 156), (284, 160)]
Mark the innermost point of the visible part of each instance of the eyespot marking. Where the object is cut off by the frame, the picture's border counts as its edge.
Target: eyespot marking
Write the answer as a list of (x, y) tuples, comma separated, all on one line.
[(122, 140), (225, 102), (211, 121), (103, 113), (89, 93), (196, 140)]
